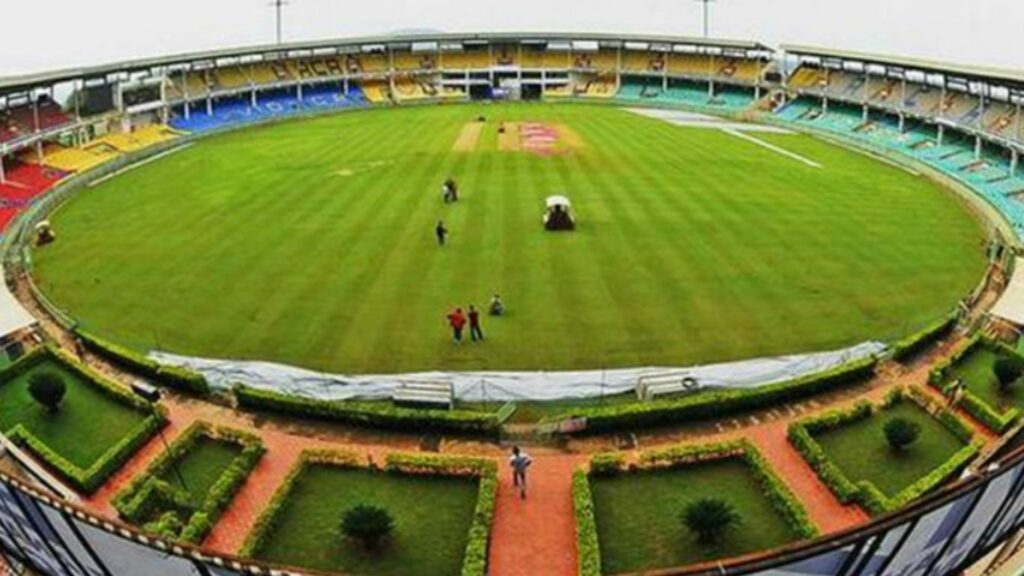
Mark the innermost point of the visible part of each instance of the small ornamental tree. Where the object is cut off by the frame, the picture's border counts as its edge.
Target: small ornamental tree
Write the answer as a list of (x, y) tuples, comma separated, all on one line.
[(901, 433), (48, 389), (367, 524), (709, 518), (1007, 370)]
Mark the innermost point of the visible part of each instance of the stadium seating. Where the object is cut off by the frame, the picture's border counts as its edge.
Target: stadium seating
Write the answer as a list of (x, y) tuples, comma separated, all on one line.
[(268, 73), (79, 159), (25, 181), (408, 62), (269, 104), (464, 60), (505, 56), (999, 118), (21, 121), (376, 92), (410, 89), (739, 69), (690, 65), (989, 176), (595, 87), (807, 77), (139, 139), (646, 62), (604, 60), (230, 78)]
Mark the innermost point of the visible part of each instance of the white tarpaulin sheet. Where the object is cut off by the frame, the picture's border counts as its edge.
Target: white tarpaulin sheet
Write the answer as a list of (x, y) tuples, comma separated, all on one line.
[(13, 316), (501, 386), (1011, 304)]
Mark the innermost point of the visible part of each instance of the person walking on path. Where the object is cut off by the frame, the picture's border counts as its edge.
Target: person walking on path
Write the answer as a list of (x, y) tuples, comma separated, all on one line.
[(519, 461), (475, 333), (441, 232), (457, 321)]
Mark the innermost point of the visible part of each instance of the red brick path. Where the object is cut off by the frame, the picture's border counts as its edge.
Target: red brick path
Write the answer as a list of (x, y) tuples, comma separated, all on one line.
[(536, 536)]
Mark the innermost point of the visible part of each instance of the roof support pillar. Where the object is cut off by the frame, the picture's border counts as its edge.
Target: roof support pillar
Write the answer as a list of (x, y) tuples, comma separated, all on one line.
[(942, 134), (1014, 161), (977, 147)]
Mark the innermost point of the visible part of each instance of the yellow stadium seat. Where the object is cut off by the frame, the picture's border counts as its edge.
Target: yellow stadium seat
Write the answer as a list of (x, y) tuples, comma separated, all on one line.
[(230, 78), (505, 56), (376, 92), (464, 60), (635, 61), (689, 64), (80, 159)]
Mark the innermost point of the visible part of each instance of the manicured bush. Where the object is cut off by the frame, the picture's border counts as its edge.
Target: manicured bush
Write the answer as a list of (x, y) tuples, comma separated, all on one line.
[(48, 389), (86, 480), (148, 494), (378, 414), (709, 518), (607, 464), (970, 402), (171, 376), (918, 341), (719, 403), (1008, 369), (367, 524), (865, 493), (588, 549), (900, 433)]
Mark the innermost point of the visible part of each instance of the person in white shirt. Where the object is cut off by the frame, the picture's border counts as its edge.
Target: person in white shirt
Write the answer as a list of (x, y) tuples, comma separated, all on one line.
[(519, 461)]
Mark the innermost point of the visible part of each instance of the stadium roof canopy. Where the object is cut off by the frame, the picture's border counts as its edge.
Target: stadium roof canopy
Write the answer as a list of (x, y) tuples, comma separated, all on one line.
[(28, 81), (979, 72), (13, 316)]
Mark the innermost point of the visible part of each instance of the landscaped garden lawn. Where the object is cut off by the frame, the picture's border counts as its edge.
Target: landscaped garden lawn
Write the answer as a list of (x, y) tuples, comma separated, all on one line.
[(980, 380), (432, 518), (202, 466), (88, 424), (861, 451), (638, 516)]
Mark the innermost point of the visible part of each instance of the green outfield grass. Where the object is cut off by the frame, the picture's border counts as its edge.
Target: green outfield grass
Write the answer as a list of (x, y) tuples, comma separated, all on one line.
[(311, 243)]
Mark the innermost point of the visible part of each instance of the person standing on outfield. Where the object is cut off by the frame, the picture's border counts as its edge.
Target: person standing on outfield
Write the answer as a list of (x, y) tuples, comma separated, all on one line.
[(457, 320), (475, 333), (441, 232), (519, 461)]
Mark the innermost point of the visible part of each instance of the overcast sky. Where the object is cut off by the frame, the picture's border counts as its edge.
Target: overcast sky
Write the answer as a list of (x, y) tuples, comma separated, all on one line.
[(60, 33)]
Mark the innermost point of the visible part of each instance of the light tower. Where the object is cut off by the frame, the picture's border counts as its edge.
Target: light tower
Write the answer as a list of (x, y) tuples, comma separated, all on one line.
[(707, 9), (278, 6)]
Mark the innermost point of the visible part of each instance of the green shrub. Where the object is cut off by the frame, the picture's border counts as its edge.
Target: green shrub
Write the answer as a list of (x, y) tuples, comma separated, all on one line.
[(719, 403), (709, 518), (171, 376), (918, 341), (587, 546), (865, 493), (379, 414), (367, 524), (48, 389), (147, 494), (607, 464), (900, 433), (1007, 369), (90, 479)]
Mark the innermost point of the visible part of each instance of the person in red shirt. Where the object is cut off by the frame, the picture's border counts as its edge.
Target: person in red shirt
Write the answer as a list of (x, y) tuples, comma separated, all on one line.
[(457, 320), (475, 333)]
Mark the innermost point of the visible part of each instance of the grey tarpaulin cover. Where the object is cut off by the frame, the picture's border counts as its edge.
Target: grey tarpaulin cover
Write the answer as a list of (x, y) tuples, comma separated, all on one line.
[(474, 386)]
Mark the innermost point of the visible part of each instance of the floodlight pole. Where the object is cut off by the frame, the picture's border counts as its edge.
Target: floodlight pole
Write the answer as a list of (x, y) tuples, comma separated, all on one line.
[(278, 6), (707, 9)]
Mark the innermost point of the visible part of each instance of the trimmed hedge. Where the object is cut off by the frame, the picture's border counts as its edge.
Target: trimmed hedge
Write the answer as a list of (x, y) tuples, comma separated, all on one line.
[(970, 402), (170, 376), (719, 403), (378, 414), (474, 562), (268, 518), (781, 498), (865, 493), (918, 341), (607, 464), (148, 495), (86, 480), (588, 560)]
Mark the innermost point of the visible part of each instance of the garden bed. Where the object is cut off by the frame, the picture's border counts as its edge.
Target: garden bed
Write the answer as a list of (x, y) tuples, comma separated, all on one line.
[(629, 519), (97, 428), (442, 510), (849, 451), (183, 493), (982, 398)]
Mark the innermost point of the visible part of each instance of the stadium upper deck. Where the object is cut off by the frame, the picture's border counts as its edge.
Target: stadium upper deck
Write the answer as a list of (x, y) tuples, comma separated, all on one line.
[(965, 121)]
